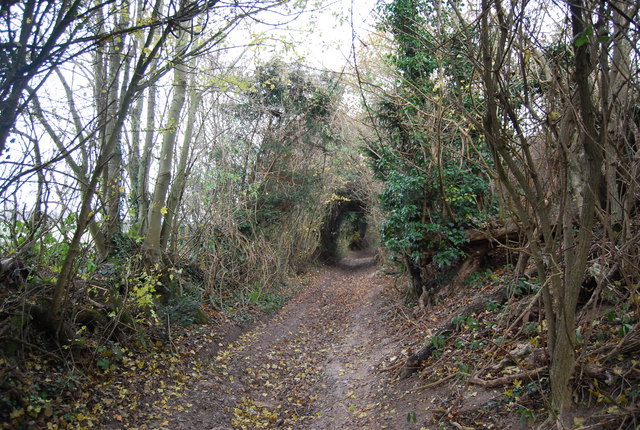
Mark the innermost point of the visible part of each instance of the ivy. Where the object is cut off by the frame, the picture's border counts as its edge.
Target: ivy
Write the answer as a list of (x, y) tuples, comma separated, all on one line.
[(431, 196)]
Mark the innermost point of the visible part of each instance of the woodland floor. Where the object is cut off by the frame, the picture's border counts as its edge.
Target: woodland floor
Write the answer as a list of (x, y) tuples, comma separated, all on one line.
[(329, 359)]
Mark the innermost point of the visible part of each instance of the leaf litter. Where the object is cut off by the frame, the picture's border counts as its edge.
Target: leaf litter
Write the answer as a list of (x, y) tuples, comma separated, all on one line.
[(327, 360)]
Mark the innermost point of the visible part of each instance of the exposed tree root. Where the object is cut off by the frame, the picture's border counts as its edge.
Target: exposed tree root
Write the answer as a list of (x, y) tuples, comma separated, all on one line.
[(492, 383)]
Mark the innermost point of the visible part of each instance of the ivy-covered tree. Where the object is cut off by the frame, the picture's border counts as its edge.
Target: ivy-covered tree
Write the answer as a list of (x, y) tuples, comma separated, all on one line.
[(295, 110), (429, 161)]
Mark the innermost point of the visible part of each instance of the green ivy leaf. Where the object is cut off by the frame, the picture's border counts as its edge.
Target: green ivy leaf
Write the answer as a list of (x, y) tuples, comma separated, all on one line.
[(103, 363), (579, 41)]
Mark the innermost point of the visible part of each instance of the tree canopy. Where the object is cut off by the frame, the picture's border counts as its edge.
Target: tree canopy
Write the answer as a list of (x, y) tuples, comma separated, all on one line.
[(152, 169)]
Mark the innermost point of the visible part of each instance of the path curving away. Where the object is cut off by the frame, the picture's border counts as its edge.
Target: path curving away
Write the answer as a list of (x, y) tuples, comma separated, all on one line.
[(312, 366)]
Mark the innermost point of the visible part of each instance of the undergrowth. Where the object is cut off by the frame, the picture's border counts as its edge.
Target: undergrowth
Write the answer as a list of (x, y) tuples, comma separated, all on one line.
[(501, 350), (124, 322)]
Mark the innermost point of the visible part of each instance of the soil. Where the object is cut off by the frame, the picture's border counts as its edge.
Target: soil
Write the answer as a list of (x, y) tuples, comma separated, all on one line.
[(329, 359)]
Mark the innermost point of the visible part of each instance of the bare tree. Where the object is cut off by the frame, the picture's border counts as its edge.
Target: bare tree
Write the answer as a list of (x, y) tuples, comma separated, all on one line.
[(38, 35), (557, 206)]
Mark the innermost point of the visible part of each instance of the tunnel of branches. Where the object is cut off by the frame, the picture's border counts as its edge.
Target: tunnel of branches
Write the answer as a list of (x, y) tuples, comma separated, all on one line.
[(344, 227)]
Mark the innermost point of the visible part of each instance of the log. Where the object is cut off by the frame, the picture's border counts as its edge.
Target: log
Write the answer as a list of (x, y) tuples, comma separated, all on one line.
[(499, 234), (415, 361), (13, 272), (481, 242), (427, 290)]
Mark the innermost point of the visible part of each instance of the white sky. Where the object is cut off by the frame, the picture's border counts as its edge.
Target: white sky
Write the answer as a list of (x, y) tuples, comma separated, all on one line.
[(320, 38), (329, 46)]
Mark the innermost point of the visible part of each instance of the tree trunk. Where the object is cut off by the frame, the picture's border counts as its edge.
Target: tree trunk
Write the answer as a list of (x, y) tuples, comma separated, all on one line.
[(133, 165), (153, 45), (577, 246), (112, 187), (561, 255), (152, 244), (177, 188), (142, 192), (619, 105), (79, 170)]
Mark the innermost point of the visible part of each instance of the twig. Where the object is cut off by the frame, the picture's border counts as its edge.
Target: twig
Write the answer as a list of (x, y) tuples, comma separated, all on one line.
[(532, 301), (492, 383), (593, 300), (391, 368)]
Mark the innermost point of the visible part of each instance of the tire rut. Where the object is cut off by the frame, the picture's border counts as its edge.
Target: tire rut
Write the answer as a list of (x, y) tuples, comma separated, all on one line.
[(312, 366)]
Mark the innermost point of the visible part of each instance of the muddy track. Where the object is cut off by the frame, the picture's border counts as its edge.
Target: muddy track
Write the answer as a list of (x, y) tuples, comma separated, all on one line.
[(313, 366)]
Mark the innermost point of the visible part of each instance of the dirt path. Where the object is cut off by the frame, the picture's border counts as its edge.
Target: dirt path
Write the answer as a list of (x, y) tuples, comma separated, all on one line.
[(313, 366)]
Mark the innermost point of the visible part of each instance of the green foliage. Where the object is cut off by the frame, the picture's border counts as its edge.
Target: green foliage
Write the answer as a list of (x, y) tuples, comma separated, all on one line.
[(184, 306), (438, 342), (266, 301), (108, 355), (245, 301), (412, 417), (294, 106), (284, 90), (531, 328), (472, 323), (408, 197), (491, 305), (458, 321), (463, 367), (519, 390), (406, 20), (103, 364), (144, 289), (43, 247), (479, 278), (141, 288), (433, 190), (521, 287), (349, 232), (622, 320), (278, 196), (527, 415)]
